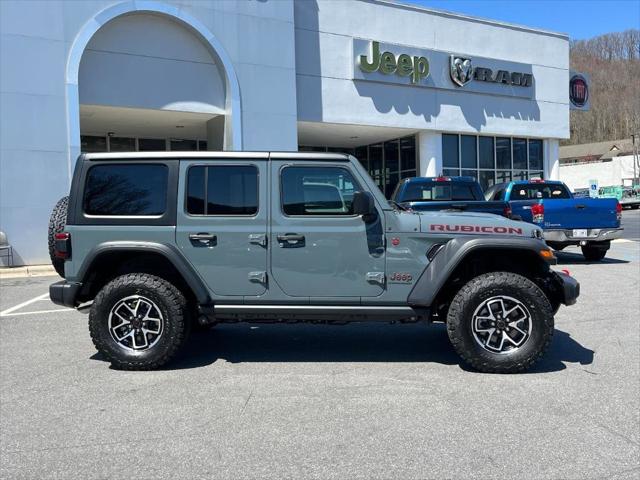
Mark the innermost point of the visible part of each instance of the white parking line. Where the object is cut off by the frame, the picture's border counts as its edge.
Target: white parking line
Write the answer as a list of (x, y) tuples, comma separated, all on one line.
[(36, 312), (23, 304), (9, 312)]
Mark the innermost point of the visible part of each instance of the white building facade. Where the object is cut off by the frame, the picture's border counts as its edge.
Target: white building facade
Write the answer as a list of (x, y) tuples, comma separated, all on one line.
[(408, 91)]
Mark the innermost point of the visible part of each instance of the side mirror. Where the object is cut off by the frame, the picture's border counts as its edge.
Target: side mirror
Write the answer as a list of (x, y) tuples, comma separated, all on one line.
[(363, 204)]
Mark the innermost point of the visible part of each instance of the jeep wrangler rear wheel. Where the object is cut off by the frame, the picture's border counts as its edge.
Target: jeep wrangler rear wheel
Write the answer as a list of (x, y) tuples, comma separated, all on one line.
[(138, 321), (500, 323)]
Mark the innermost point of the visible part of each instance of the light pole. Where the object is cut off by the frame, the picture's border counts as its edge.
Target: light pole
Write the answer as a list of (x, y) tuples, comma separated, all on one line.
[(636, 163)]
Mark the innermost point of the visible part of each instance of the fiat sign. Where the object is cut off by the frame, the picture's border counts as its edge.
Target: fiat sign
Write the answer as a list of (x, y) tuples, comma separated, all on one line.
[(579, 91)]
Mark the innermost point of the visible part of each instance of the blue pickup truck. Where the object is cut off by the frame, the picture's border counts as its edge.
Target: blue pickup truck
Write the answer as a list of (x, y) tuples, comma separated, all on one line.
[(590, 223), (446, 193)]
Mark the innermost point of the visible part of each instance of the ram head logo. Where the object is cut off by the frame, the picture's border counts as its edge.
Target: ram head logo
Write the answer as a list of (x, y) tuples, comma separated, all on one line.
[(461, 70)]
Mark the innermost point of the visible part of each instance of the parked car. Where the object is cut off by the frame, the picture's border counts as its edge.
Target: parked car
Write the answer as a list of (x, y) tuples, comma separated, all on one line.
[(581, 193), (590, 223), (151, 241), (446, 193), (629, 197)]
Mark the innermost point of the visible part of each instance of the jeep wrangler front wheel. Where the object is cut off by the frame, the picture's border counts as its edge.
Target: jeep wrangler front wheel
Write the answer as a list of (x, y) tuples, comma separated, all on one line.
[(500, 322), (138, 321)]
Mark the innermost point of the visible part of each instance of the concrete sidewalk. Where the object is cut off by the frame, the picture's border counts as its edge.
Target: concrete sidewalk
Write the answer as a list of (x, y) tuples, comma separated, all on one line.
[(27, 271)]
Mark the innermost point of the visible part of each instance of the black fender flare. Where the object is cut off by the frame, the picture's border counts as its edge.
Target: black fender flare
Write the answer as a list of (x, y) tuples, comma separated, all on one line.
[(453, 253), (170, 252)]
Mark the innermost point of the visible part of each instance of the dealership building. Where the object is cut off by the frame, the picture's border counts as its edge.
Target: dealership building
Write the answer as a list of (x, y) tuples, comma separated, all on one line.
[(407, 90)]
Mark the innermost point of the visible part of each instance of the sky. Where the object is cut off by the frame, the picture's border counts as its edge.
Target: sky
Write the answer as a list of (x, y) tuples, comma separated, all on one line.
[(580, 19)]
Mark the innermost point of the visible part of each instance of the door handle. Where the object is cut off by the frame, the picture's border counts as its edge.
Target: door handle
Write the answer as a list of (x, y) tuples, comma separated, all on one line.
[(289, 240), (203, 238), (580, 207)]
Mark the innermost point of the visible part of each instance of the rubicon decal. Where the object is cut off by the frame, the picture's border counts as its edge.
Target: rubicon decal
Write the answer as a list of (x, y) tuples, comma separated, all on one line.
[(476, 229)]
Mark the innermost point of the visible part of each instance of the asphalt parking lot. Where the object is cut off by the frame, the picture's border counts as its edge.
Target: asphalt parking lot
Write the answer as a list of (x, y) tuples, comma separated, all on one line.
[(313, 401)]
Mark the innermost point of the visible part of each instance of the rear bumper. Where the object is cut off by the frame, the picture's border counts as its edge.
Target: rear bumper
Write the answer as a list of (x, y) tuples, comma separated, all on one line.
[(569, 288), (593, 235), (64, 293)]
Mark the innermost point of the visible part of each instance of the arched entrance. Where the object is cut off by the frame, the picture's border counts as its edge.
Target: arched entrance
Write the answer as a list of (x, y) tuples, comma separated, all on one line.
[(140, 75)]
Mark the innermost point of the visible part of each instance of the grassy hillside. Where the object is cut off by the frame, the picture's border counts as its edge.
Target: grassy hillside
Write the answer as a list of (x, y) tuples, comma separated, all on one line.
[(613, 61)]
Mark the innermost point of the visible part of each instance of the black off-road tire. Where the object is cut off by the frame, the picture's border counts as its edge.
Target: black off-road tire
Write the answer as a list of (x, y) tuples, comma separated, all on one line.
[(172, 305), (483, 287), (593, 254), (57, 222)]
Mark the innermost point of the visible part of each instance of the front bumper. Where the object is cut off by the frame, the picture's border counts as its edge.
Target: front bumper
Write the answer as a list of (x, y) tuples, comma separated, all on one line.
[(593, 235), (569, 288), (64, 293)]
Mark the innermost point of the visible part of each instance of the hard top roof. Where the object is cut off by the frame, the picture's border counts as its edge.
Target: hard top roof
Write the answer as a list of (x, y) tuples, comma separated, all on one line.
[(212, 155)]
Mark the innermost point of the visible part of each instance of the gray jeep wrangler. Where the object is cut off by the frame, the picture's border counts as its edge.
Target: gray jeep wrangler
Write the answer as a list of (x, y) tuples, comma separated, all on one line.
[(160, 241)]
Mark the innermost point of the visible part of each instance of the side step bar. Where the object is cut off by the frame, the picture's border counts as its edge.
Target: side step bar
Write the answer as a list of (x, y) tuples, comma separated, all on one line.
[(330, 313)]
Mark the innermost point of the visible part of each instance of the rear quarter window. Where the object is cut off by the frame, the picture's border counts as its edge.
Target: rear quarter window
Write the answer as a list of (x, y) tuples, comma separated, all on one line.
[(126, 190)]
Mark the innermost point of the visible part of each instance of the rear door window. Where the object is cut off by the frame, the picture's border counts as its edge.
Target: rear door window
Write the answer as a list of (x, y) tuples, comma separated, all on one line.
[(126, 190), (222, 190)]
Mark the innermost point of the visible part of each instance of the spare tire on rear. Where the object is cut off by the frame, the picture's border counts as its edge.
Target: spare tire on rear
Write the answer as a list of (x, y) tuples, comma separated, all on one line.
[(57, 222)]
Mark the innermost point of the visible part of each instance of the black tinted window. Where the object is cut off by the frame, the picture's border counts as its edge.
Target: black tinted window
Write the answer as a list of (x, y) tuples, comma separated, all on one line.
[(317, 191), (450, 156), (438, 191), (494, 193), (228, 190), (464, 192), (126, 189)]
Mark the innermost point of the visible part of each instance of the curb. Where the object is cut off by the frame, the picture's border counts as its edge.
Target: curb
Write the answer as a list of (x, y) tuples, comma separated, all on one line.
[(27, 271)]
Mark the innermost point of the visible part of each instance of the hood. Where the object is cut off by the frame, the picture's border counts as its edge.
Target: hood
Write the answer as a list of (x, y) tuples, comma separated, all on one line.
[(473, 223)]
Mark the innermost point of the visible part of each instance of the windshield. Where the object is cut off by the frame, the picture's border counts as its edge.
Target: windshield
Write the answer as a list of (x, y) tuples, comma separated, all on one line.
[(438, 191), (534, 191)]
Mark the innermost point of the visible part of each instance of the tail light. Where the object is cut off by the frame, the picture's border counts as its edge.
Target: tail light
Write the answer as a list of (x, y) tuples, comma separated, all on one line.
[(62, 246), (619, 212), (537, 210), (507, 211)]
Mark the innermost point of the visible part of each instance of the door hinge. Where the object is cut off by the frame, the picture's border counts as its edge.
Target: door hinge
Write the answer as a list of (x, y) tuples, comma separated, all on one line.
[(258, 277), (258, 239), (376, 277)]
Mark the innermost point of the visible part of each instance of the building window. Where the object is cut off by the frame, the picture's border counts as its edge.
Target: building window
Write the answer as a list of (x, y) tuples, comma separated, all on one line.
[(468, 152), (122, 144), (450, 152), (535, 155), (491, 160), (151, 144), (183, 145), (92, 143), (486, 153), (386, 162), (503, 153), (105, 143)]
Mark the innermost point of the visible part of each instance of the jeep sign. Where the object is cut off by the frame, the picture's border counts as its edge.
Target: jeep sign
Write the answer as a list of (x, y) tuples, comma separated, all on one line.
[(388, 63), (416, 68)]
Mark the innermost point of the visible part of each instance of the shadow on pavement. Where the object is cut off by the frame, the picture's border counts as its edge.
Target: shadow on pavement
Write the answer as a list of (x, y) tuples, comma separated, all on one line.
[(370, 342), (567, 258), (563, 350)]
